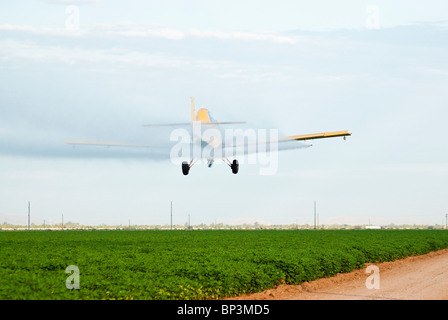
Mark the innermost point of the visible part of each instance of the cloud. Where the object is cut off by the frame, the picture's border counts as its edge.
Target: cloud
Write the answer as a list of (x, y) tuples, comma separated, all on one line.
[(246, 36), (127, 29), (171, 34), (72, 2), (432, 71), (42, 31), (10, 49)]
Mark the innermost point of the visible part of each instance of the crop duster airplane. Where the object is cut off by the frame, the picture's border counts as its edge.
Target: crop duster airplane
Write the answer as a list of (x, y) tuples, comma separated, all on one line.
[(206, 141)]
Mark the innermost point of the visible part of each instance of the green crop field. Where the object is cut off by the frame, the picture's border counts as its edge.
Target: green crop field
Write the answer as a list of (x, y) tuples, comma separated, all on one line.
[(190, 264)]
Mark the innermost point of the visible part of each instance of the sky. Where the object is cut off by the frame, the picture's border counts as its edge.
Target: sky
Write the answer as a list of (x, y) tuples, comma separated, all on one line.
[(99, 70)]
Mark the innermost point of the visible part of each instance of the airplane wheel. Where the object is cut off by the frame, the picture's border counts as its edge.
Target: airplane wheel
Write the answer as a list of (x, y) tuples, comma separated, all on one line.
[(185, 168), (235, 166)]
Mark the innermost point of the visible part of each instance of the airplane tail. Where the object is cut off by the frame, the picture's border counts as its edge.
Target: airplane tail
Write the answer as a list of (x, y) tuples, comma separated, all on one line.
[(202, 116)]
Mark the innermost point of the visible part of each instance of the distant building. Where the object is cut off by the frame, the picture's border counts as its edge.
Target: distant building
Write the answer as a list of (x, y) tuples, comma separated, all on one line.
[(373, 227)]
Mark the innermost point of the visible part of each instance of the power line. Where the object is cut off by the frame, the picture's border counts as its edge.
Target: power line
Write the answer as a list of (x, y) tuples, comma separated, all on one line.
[(29, 209)]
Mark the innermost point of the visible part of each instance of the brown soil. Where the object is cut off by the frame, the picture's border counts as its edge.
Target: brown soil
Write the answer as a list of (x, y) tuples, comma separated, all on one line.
[(422, 277)]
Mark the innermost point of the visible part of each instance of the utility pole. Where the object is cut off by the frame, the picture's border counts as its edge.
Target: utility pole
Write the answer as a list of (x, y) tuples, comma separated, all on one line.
[(189, 226), (171, 215), (314, 214), (62, 221), (29, 216)]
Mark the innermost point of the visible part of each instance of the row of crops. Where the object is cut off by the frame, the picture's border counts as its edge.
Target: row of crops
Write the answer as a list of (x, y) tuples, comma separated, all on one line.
[(191, 264)]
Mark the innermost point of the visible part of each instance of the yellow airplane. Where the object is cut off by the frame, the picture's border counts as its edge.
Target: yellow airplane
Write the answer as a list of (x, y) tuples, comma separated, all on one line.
[(205, 141)]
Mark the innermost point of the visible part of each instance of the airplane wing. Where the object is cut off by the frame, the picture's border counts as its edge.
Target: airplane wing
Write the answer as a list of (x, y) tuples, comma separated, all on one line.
[(311, 136), (303, 137)]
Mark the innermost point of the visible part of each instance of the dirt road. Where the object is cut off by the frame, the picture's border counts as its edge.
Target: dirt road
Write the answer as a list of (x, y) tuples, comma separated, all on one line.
[(415, 278)]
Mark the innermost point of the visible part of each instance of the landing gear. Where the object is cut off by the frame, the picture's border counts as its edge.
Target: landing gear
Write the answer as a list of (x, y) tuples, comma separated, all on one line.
[(235, 166), (185, 168)]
